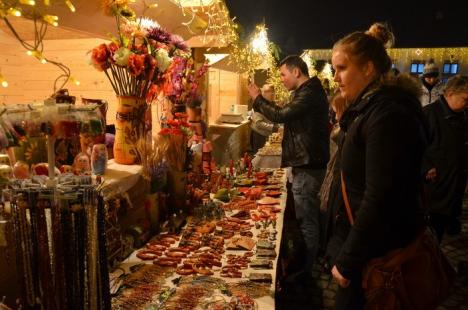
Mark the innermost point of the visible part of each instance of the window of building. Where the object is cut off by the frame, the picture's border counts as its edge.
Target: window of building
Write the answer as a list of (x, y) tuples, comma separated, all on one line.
[(450, 68), (417, 67)]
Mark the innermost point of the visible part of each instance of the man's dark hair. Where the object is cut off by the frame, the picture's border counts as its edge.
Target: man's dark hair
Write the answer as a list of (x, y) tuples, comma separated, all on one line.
[(294, 61)]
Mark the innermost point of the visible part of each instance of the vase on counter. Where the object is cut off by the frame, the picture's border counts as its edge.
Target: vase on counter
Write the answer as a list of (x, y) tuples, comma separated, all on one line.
[(129, 129)]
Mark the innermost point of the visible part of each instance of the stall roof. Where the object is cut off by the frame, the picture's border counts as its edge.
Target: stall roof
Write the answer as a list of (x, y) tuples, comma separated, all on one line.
[(89, 21)]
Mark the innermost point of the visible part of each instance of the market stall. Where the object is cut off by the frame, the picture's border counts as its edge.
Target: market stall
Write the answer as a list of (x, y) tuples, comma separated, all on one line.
[(148, 185), (225, 256)]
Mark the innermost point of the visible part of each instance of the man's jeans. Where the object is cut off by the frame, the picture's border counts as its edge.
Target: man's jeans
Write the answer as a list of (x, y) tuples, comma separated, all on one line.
[(305, 187)]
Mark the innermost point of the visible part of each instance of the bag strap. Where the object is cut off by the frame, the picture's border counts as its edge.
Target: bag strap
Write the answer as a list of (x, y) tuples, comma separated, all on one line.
[(346, 200)]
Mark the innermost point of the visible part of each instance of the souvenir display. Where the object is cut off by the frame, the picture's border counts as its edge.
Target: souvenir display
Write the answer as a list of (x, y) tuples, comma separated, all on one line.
[(66, 169), (99, 159), (42, 169), (5, 173), (21, 170), (4, 159), (82, 165), (76, 229)]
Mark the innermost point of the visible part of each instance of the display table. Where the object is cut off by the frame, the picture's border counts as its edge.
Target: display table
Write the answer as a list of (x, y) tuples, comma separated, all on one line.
[(265, 302), (230, 141)]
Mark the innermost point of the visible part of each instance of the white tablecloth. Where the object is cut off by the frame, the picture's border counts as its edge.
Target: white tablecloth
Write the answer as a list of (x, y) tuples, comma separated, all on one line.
[(118, 179)]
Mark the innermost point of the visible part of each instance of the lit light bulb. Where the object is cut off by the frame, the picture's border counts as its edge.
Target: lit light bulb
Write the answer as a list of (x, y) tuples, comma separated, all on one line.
[(27, 2), (3, 81), (14, 12), (43, 61), (47, 2), (29, 53), (51, 19), (260, 41), (75, 81), (70, 6)]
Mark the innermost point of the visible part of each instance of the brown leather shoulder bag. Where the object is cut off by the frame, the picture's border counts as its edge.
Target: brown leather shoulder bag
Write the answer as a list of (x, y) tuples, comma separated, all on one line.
[(416, 277)]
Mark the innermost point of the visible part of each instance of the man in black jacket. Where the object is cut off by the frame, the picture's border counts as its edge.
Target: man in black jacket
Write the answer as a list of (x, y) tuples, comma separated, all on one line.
[(305, 145)]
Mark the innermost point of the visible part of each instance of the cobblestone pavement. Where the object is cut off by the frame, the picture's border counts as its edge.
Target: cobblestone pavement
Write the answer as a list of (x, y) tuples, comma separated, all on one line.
[(321, 293)]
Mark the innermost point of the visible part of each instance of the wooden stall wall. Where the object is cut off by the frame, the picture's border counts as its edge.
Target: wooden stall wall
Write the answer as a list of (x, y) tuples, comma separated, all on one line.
[(31, 81), (224, 90)]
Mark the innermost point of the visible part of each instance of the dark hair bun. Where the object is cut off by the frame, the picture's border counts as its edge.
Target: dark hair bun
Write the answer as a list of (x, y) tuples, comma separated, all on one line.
[(382, 33)]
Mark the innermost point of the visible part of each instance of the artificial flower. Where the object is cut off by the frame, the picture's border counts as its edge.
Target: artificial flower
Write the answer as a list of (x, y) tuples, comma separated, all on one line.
[(121, 56), (159, 34), (136, 64), (99, 57), (163, 59)]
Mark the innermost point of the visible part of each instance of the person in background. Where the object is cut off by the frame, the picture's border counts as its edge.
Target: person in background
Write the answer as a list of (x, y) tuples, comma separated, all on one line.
[(432, 86), (381, 156), (446, 159), (260, 125), (305, 145), (330, 195)]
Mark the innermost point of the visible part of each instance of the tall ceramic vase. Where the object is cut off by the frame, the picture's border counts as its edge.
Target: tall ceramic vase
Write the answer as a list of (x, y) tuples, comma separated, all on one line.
[(129, 129)]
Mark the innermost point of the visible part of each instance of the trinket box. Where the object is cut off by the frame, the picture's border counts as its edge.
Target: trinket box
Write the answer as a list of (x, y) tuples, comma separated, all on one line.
[(260, 277), (261, 264)]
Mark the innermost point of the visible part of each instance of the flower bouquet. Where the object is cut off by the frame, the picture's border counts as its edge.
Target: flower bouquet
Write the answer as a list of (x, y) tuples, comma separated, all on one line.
[(181, 83), (135, 62)]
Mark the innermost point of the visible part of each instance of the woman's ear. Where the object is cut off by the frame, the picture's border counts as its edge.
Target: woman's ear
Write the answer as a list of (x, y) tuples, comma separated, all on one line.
[(369, 69)]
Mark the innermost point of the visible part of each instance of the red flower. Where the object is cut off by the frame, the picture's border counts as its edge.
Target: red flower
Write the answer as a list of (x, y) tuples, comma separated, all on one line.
[(136, 64), (152, 92), (173, 123), (181, 115), (165, 131), (99, 56), (176, 132)]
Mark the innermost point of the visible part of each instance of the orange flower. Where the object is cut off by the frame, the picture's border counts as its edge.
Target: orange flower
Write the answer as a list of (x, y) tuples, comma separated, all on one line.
[(99, 57), (136, 64)]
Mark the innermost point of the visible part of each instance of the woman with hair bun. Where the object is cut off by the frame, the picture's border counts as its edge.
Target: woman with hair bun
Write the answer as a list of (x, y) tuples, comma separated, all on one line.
[(381, 157)]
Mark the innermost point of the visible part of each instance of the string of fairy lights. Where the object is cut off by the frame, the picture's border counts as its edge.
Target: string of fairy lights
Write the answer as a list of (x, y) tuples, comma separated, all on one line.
[(30, 9), (405, 56)]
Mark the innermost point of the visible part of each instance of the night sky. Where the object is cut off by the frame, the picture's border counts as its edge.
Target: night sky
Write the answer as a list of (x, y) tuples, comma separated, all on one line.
[(296, 25)]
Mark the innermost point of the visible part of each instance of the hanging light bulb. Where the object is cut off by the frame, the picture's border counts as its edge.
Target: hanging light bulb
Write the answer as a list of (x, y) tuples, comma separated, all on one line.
[(70, 5), (74, 81), (3, 81), (51, 19), (14, 12), (47, 2), (28, 2)]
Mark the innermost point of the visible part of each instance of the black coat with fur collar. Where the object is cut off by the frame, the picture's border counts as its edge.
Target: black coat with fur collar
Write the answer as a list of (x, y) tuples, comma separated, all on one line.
[(381, 158)]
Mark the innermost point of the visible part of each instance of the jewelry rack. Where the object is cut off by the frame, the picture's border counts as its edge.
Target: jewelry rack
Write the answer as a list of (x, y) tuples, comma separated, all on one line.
[(60, 245), (57, 222)]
